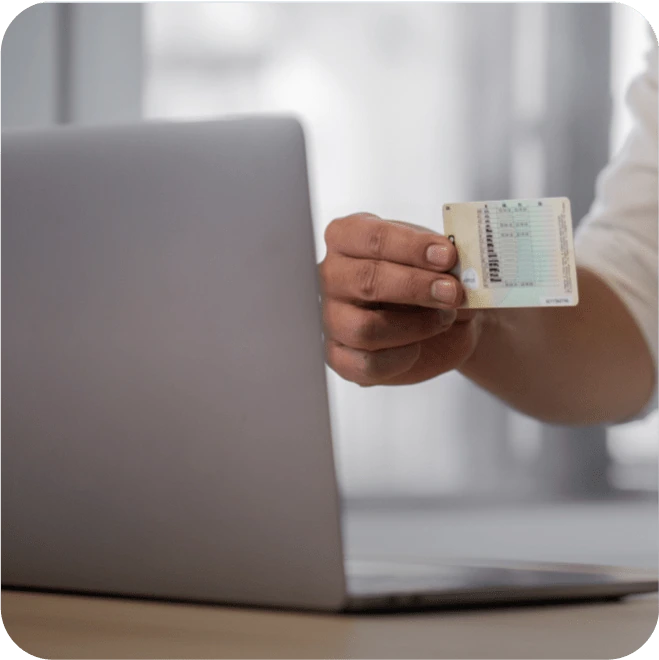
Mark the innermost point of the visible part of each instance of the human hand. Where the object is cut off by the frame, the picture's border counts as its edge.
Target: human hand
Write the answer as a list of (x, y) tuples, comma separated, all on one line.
[(389, 303)]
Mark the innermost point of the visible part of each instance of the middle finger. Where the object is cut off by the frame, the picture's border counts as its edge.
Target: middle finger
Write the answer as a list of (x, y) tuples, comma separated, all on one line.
[(369, 280)]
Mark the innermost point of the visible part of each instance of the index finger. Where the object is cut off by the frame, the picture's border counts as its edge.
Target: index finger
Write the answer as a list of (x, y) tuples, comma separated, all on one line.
[(365, 236)]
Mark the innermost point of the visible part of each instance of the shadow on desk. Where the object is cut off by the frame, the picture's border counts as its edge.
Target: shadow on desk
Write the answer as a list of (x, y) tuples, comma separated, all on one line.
[(59, 626)]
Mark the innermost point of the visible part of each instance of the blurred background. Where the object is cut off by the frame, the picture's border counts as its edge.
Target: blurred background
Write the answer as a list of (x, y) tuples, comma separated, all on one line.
[(406, 106)]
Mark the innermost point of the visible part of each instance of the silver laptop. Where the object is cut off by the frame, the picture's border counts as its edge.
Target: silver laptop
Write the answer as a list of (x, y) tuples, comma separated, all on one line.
[(165, 425)]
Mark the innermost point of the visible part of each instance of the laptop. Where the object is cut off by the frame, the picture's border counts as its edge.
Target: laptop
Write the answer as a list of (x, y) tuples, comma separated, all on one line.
[(165, 422)]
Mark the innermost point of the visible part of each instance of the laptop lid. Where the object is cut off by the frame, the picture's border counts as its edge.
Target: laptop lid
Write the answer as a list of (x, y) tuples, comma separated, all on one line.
[(165, 422)]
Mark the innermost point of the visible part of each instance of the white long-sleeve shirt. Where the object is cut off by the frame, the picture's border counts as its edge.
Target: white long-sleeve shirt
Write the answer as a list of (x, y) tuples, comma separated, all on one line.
[(618, 238)]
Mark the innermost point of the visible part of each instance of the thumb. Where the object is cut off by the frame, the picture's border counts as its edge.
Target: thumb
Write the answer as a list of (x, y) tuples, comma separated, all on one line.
[(466, 315)]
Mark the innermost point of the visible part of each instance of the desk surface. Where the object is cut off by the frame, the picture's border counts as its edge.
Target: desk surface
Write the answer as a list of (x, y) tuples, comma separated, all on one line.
[(58, 626)]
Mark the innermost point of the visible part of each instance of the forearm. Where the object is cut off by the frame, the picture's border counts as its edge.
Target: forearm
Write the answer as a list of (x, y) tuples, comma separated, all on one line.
[(576, 365)]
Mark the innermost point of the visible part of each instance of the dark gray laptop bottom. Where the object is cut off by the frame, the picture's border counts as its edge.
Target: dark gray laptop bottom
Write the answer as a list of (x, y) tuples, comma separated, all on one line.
[(401, 586)]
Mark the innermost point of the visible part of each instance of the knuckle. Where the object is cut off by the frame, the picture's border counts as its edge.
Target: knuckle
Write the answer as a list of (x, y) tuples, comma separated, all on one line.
[(376, 240), (411, 286), (329, 323), (367, 279), (375, 366), (333, 230), (348, 363), (369, 367), (333, 357), (325, 274), (366, 330)]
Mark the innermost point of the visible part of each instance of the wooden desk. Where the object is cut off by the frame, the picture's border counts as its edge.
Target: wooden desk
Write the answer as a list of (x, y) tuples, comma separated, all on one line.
[(55, 626)]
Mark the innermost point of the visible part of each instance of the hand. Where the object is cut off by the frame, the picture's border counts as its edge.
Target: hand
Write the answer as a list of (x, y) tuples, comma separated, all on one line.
[(389, 304)]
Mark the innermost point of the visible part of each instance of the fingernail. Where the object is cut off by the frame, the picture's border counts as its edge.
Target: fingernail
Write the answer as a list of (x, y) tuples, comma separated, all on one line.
[(439, 255), (444, 290), (445, 318)]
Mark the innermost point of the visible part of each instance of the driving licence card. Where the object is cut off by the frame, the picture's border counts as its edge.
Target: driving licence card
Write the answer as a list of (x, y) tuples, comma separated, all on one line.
[(514, 253)]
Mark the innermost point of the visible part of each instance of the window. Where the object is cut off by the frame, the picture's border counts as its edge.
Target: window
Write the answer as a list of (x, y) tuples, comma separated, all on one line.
[(390, 95)]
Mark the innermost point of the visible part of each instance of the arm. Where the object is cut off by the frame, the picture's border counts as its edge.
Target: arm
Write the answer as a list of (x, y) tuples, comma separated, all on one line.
[(595, 363), (390, 319), (579, 365)]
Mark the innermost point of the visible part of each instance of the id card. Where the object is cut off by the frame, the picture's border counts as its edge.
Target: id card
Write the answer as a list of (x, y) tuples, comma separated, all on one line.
[(514, 253)]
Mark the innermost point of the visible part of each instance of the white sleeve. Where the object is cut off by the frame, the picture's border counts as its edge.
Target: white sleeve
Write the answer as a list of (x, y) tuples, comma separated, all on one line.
[(618, 238)]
